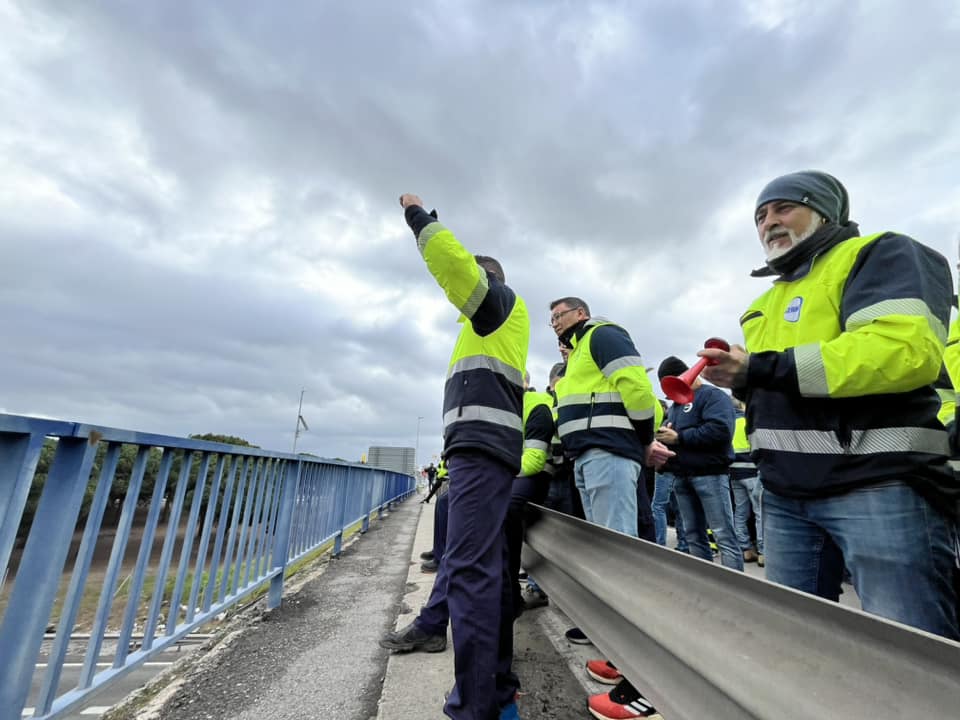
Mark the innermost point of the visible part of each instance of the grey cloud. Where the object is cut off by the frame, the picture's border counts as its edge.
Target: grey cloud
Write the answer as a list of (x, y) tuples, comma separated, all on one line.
[(604, 160)]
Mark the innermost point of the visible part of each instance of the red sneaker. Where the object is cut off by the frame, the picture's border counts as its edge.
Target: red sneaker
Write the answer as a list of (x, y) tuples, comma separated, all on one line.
[(624, 702), (604, 671)]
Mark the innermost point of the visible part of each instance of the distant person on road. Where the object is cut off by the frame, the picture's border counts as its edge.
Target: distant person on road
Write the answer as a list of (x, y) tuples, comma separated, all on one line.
[(432, 484), (432, 557)]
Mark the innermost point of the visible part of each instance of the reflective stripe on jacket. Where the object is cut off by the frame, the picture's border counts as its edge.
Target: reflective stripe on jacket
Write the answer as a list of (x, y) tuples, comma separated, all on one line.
[(844, 354)]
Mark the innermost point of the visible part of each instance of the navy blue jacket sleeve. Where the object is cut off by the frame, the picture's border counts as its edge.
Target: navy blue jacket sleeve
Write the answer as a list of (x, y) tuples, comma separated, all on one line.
[(495, 308), (539, 425)]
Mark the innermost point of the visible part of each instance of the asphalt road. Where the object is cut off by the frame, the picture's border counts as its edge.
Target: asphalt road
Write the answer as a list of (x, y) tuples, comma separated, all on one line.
[(111, 695)]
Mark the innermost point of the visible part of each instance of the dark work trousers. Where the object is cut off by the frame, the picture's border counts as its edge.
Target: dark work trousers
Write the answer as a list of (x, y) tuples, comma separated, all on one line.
[(562, 491), (525, 489), (472, 588), (440, 527), (434, 489), (645, 527)]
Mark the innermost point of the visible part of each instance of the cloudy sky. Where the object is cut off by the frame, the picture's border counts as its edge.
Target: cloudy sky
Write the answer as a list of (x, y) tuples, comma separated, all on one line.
[(198, 201)]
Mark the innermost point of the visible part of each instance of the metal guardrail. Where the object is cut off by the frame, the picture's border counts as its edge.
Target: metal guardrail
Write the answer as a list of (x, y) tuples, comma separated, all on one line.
[(249, 514), (702, 641)]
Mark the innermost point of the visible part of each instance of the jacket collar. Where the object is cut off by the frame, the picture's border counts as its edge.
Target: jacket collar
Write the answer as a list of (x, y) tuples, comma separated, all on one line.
[(575, 333)]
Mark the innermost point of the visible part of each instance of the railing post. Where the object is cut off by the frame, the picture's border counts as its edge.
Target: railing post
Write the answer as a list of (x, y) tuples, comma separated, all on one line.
[(19, 455), (281, 542), (342, 490), (382, 485), (367, 500), (41, 566)]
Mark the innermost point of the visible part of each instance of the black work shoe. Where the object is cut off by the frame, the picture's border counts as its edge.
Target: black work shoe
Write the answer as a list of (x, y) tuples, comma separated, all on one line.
[(428, 555), (412, 638), (577, 636), (429, 566), (533, 598)]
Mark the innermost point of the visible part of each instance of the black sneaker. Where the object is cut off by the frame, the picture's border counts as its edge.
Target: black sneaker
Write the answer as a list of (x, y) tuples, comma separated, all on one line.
[(428, 555), (429, 566), (577, 636), (411, 638)]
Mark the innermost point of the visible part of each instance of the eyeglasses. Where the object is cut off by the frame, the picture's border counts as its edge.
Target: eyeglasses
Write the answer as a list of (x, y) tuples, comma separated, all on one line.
[(557, 315)]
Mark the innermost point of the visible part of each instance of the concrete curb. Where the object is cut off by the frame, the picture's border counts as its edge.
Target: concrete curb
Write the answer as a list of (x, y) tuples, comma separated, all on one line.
[(415, 683)]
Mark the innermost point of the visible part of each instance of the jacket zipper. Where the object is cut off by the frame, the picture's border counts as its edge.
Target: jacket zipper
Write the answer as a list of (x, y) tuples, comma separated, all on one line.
[(593, 397)]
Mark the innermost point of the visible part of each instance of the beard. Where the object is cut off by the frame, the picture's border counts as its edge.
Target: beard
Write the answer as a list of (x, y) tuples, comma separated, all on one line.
[(795, 238)]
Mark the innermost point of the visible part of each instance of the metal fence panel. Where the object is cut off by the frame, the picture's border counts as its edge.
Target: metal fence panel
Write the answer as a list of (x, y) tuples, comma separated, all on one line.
[(259, 510)]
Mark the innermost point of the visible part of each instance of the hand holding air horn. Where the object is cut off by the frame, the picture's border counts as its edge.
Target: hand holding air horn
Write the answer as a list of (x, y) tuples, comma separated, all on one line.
[(678, 387)]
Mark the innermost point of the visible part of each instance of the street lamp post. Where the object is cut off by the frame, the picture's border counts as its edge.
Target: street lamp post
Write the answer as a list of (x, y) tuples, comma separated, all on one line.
[(416, 452)]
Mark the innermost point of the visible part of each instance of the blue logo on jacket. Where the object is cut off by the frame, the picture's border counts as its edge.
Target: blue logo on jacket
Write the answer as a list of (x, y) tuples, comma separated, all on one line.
[(792, 313)]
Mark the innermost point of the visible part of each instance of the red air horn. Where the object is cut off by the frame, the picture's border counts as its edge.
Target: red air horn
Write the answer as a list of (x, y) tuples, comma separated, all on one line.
[(677, 387)]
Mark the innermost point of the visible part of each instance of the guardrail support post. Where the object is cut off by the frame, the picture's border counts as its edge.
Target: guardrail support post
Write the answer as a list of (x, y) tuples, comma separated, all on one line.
[(367, 499), (343, 487), (281, 543)]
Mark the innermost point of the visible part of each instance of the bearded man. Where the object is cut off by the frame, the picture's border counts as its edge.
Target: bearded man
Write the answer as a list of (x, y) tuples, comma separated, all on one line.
[(838, 376)]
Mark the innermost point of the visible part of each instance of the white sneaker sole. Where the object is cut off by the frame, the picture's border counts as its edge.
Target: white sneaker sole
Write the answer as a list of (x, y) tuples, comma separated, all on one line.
[(604, 680)]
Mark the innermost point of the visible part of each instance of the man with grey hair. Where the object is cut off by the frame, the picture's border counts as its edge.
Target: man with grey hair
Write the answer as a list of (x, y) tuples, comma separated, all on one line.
[(838, 376)]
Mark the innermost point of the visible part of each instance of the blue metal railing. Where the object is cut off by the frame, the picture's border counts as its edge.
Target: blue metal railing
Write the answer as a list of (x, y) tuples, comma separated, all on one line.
[(245, 514)]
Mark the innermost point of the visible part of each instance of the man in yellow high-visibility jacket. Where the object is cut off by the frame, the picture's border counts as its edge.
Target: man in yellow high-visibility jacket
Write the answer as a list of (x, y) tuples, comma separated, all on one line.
[(838, 371), (482, 446), (607, 415)]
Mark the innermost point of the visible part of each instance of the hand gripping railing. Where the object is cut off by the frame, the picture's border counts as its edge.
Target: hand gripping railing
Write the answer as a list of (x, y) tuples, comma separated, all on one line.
[(236, 517), (702, 641)]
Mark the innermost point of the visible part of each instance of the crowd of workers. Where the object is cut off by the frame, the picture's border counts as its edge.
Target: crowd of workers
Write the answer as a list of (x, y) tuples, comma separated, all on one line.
[(836, 439)]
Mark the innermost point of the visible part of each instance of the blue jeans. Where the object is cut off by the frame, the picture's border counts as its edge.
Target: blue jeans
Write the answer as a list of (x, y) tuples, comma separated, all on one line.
[(663, 497), (746, 494), (899, 550), (608, 488), (705, 503)]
